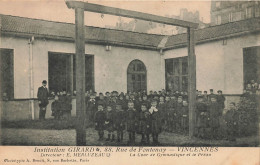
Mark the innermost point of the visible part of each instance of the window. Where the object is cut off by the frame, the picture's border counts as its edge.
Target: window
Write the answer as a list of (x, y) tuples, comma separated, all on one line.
[(249, 12), (136, 76), (237, 16), (176, 74), (7, 76), (62, 72), (257, 11), (251, 65), (218, 19), (218, 4)]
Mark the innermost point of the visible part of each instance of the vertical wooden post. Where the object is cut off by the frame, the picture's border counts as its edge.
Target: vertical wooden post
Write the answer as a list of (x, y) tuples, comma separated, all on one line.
[(80, 76), (192, 80)]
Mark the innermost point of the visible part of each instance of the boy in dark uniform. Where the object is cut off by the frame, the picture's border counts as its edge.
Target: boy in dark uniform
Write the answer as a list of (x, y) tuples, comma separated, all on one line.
[(144, 124), (179, 106), (156, 126), (205, 96), (101, 100), (131, 122), (231, 118), (91, 109), (214, 115), (68, 106), (146, 101), (161, 108), (107, 98), (99, 119), (109, 123), (168, 109), (172, 114), (62, 100), (119, 122), (221, 99), (185, 117), (211, 94), (201, 117), (122, 101), (55, 108)]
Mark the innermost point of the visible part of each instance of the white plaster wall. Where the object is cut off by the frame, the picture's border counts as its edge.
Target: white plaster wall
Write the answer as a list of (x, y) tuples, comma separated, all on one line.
[(219, 66), (233, 61), (110, 67), (209, 66), (21, 64)]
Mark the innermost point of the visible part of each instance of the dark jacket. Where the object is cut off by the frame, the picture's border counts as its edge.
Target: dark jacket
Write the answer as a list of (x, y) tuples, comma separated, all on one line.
[(110, 117), (132, 120), (144, 124), (221, 101), (156, 124), (119, 122), (99, 119), (42, 96), (201, 114), (215, 112)]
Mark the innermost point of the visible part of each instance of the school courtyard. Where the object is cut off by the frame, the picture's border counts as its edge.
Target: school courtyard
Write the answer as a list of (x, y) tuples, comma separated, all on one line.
[(227, 58), (60, 133)]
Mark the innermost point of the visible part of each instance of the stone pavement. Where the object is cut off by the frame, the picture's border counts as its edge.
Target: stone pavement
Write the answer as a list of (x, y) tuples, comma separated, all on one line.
[(67, 137)]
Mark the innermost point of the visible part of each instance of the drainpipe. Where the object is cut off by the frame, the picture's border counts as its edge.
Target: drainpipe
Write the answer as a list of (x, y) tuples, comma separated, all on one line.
[(31, 86), (162, 69)]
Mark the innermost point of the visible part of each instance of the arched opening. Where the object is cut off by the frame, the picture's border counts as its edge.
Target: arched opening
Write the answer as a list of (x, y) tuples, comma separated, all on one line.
[(136, 76)]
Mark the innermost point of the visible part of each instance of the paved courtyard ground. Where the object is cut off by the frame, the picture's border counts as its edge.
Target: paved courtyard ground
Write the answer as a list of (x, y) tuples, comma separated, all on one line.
[(67, 137)]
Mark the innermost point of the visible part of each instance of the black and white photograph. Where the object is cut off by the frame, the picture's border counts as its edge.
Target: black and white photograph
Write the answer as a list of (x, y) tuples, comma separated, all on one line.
[(130, 73)]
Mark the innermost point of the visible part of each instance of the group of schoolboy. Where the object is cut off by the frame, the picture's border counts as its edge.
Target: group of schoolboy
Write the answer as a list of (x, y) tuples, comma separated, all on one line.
[(138, 113), (149, 115)]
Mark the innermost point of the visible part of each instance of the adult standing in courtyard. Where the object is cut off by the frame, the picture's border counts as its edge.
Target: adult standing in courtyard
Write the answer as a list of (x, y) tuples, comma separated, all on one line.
[(42, 96)]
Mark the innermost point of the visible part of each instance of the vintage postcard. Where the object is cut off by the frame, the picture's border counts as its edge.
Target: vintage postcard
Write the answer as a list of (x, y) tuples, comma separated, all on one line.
[(129, 82)]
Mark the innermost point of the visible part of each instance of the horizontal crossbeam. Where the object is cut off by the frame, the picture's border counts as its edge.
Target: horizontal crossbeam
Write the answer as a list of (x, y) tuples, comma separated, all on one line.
[(130, 14)]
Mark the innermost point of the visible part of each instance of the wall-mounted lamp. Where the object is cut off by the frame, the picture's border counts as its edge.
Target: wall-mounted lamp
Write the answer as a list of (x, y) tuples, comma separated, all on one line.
[(108, 47)]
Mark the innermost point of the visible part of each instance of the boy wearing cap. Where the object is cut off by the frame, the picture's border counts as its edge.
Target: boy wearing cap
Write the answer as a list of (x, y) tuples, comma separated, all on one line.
[(42, 96), (231, 118), (221, 99), (161, 108), (167, 112), (211, 94), (119, 122), (145, 101), (214, 115), (172, 114), (99, 119), (179, 106), (144, 124), (185, 117), (109, 123), (131, 122), (101, 100), (91, 109), (156, 126), (201, 117), (55, 107)]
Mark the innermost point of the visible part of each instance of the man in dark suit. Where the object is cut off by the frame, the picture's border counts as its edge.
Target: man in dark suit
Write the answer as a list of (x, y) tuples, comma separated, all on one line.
[(42, 96)]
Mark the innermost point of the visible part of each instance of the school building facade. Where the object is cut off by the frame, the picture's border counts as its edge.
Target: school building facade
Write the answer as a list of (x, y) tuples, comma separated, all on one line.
[(32, 50)]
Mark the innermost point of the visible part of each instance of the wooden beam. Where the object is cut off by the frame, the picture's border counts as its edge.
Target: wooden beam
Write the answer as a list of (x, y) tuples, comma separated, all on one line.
[(192, 80), (80, 77), (130, 14)]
